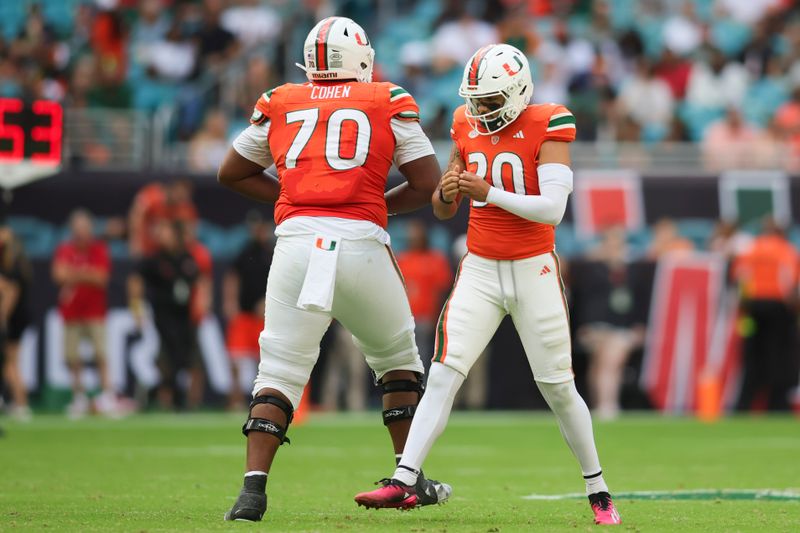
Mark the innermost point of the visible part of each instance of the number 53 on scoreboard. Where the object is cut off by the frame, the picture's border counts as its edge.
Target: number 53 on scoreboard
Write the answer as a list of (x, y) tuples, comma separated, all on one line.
[(31, 134)]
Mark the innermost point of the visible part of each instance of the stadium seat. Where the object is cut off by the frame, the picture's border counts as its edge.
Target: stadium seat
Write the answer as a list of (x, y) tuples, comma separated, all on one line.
[(729, 36), (794, 235), (622, 13), (38, 237), (60, 14), (698, 230), (236, 237), (697, 118), (214, 238), (639, 241), (567, 244), (12, 16), (763, 98)]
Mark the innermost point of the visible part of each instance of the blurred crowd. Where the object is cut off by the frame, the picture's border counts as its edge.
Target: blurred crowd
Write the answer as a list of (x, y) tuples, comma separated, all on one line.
[(723, 73), (170, 281)]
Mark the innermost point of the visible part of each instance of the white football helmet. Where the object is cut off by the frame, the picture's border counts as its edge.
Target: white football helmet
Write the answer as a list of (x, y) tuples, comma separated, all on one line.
[(338, 49), (496, 69)]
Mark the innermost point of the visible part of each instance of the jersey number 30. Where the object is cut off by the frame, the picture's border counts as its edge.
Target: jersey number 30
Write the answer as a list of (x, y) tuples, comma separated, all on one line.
[(503, 158), (333, 136)]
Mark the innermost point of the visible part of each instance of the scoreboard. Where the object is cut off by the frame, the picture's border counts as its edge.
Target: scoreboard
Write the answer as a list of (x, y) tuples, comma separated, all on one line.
[(31, 135)]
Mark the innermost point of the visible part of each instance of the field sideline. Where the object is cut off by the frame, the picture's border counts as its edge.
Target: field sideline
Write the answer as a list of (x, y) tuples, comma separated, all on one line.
[(181, 472)]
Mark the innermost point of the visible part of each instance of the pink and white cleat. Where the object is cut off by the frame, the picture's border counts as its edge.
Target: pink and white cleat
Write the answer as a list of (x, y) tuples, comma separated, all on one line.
[(393, 494), (604, 511)]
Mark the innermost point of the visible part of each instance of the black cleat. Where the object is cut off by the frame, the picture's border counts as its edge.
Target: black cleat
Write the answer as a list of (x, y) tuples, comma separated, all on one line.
[(251, 504), (430, 491)]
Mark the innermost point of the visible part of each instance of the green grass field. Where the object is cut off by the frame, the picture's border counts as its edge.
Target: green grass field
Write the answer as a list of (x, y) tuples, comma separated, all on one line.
[(180, 473)]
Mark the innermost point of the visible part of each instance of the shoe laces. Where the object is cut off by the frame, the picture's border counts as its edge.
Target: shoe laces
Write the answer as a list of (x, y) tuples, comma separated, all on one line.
[(601, 499)]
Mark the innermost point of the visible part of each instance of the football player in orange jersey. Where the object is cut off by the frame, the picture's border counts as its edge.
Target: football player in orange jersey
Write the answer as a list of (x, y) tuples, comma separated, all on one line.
[(333, 141), (510, 160)]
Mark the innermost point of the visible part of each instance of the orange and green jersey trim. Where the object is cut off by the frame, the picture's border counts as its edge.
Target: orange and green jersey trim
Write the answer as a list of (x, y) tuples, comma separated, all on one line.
[(440, 352)]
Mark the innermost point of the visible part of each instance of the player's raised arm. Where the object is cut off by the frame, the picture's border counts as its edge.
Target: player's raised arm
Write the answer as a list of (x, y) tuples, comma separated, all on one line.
[(555, 184), (242, 170), (446, 196), (413, 156)]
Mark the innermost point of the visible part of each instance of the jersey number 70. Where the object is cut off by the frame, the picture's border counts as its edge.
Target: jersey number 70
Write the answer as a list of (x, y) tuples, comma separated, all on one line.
[(333, 137)]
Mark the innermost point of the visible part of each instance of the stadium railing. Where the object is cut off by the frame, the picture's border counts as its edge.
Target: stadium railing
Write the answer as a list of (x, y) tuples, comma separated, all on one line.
[(115, 139)]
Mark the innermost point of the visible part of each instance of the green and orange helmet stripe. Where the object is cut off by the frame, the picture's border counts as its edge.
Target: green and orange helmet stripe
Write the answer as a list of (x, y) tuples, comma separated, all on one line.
[(321, 48), (477, 59)]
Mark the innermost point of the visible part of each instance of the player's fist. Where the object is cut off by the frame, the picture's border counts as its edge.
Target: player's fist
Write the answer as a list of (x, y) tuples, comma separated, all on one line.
[(449, 184), (473, 186)]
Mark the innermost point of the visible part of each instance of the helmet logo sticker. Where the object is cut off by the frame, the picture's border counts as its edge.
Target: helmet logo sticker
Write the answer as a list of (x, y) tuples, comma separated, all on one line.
[(513, 72)]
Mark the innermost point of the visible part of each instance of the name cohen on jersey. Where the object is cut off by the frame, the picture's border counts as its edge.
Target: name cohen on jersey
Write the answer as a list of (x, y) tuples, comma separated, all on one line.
[(321, 92)]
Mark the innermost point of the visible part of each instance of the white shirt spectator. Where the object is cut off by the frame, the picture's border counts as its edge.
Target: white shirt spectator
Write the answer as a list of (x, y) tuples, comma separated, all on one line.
[(648, 100), (458, 40), (577, 56), (172, 60), (551, 85), (251, 24), (746, 11), (717, 90), (682, 35)]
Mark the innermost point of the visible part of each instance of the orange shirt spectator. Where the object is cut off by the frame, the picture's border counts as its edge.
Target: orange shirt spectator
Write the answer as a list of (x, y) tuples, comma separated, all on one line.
[(200, 299), (728, 143), (427, 275), (153, 203), (769, 269), (787, 119), (667, 239)]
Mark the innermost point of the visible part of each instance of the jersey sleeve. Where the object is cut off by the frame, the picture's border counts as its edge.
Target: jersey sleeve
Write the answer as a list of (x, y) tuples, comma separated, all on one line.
[(252, 143), (411, 142), (261, 111), (402, 105), (561, 125)]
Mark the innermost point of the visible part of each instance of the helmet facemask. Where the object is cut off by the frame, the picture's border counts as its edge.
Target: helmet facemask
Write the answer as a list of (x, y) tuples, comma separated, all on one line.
[(500, 114), (499, 73)]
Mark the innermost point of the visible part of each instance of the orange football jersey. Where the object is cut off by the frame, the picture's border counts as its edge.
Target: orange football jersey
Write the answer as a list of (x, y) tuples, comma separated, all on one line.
[(508, 159), (333, 146)]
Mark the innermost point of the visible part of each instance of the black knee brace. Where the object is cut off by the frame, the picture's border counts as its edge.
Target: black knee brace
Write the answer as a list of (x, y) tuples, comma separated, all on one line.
[(268, 426), (403, 412)]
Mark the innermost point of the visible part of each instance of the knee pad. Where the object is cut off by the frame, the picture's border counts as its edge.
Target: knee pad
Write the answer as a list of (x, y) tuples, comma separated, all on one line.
[(558, 395), (403, 412), (264, 425)]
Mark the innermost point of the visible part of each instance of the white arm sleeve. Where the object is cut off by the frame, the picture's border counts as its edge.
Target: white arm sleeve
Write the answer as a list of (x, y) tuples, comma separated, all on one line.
[(555, 184), (252, 144), (411, 142)]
